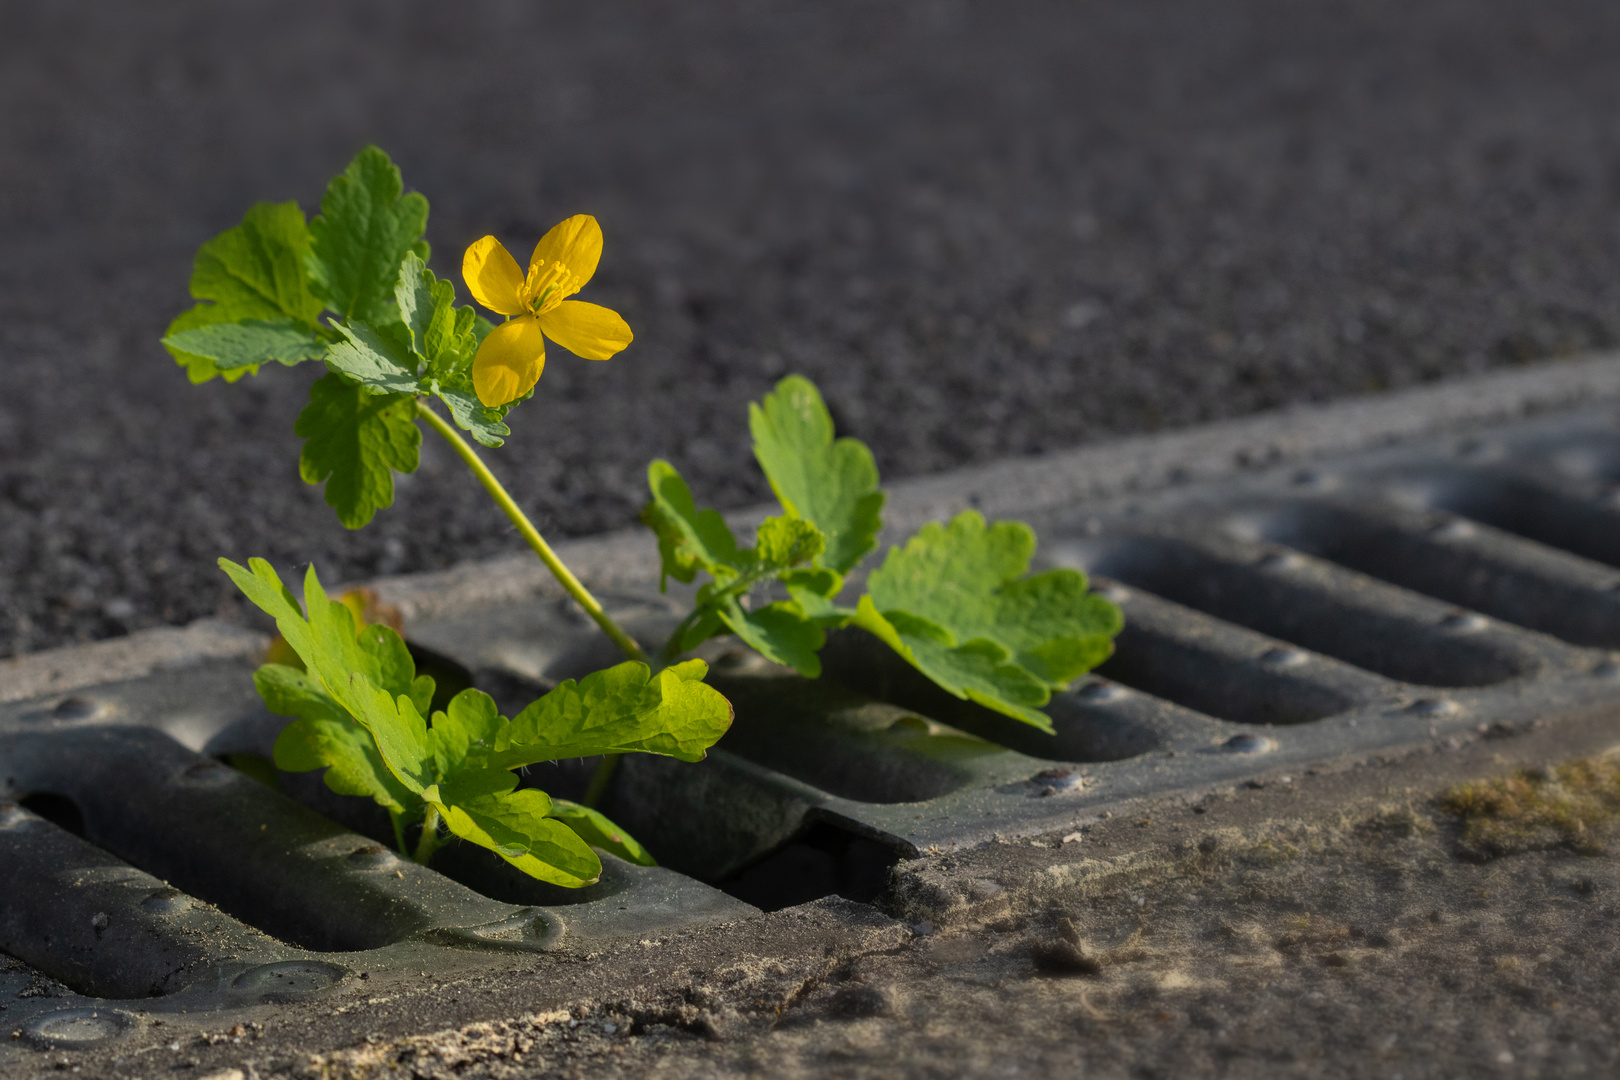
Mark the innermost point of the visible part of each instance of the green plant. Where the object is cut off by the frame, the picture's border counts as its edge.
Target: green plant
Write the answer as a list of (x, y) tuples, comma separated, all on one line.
[(954, 601), (362, 715)]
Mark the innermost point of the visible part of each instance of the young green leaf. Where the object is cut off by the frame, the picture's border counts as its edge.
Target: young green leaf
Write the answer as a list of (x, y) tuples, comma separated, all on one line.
[(596, 830), (785, 542), (355, 441), (324, 735), (373, 358), (833, 484), (427, 308), (780, 632), (473, 416), (621, 709), (248, 343), (689, 540), (516, 826), (954, 603), (362, 235), (253, 271)]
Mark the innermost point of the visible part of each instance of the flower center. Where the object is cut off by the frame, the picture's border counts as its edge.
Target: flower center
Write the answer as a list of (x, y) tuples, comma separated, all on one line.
[(546, 287)]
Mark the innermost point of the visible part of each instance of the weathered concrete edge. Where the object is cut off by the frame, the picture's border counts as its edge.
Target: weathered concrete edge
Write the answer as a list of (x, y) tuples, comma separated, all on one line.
[(627, 559), (74, 667)]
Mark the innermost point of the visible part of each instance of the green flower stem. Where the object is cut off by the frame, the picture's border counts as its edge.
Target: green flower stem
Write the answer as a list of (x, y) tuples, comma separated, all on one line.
[(581, 595), (429, 842), (600, 779), (672, 647)]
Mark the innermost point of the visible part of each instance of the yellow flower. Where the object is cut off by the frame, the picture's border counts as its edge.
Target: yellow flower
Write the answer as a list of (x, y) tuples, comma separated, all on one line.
[(511, 358)]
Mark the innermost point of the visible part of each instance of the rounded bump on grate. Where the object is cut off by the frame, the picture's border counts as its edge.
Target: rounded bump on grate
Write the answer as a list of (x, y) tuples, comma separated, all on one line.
[(1100, 691), (77, 707), (1433, 707), (1284, 656), (1280, 561), (1464, 622), (76, 1027), (371, 857), (1248, 743), (289, 980), (166, 902)]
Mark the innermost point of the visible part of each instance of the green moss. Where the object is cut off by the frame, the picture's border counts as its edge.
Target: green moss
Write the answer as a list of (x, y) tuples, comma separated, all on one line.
[(1571, 805)]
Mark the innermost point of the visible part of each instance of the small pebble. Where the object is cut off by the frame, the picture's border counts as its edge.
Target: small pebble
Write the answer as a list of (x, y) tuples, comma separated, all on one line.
[(856, 1002), (1062, 958)]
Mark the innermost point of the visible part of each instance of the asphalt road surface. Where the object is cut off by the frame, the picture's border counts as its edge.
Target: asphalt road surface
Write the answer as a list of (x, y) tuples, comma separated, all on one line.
[(985, 229)]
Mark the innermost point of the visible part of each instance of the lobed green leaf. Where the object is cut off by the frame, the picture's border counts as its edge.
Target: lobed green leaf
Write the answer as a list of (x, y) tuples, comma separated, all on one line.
[(231, 345), (953, 602), (621, 709), (324, 735), (255, 271), (781, 632), (516, 826), (689, 539), (364, 231), (831, 483), (355, 441), (373, 358)]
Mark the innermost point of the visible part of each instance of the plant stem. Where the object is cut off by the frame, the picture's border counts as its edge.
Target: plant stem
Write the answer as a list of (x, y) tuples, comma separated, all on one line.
[(600, 780), (429, 841), (672, 646), (526, 528)]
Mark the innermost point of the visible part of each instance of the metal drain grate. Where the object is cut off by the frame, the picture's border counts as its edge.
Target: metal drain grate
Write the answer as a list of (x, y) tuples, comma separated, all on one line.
[(1270, 622), (1447, 590)]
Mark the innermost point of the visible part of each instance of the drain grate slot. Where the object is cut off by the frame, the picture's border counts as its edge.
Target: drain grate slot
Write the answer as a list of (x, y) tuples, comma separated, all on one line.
[(1321, 607), (87, 919), (824, 860), (1230, 672), (846, 743), (233, 842), (1574, 521), (1098, 721), (1473, 565)]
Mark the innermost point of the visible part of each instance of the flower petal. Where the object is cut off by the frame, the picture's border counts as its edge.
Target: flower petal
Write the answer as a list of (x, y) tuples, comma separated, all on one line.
[(509, 362), (493, 276), (577, 244), (588, 330)]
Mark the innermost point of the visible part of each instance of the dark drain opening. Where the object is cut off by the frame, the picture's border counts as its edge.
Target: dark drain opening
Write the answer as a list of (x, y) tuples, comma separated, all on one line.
[(1526, 509), (1283, 596), (1453, 560), (1242, 691), (59, 810), (822, 861), (856, 659)]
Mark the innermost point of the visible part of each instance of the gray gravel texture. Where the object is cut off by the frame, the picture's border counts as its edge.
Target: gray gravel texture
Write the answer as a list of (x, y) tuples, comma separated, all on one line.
[(986, 229)]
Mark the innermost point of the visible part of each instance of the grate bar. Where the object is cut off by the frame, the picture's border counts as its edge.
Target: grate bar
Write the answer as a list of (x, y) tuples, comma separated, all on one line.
[(1321, 606), (1458, 560), (221, 836), (101, 926), (1232, 672)]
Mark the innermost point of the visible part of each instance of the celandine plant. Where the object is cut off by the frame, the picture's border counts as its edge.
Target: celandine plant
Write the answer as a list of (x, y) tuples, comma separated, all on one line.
[(956, 600)]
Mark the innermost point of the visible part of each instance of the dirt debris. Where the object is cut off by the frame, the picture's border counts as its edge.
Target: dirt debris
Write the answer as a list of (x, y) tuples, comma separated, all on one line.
[(1572, 805)]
